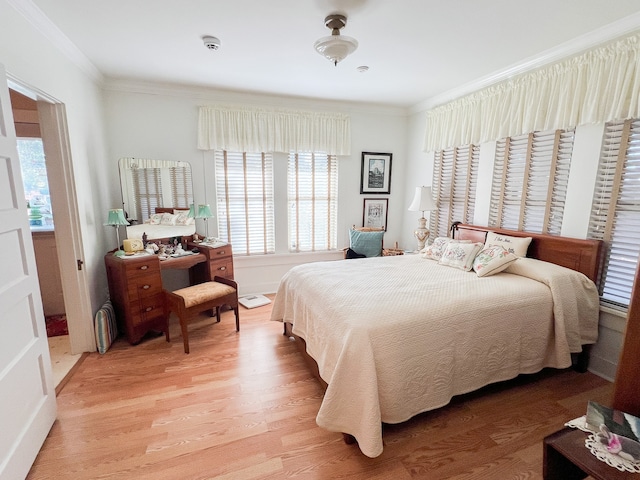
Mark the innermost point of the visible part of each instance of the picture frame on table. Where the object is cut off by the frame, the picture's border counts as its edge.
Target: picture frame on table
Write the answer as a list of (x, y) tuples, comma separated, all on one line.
[(374, 213), (376, 173)]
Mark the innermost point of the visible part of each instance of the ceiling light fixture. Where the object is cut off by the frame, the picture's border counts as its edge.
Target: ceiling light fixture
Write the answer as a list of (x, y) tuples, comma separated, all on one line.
[(335, 47)]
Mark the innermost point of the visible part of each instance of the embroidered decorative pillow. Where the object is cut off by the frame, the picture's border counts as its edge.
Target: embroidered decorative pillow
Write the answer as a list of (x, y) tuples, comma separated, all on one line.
[(168, 219), (460, 255), (436, 249), (182, 217), (516, 245), (368, 244), (154, 219), (492, 260)]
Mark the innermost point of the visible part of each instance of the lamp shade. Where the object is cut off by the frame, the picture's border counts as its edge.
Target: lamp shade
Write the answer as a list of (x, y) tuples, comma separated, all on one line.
[(204, 211), (192, 211), (116, 217), (336, 47), (422, 201)]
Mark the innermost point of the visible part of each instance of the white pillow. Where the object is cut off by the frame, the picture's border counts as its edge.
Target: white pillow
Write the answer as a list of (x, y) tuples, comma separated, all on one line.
[(516, 245), (437, 248), (154, 219), (492, 260), (182, 217), (168, 219), (460, 255)]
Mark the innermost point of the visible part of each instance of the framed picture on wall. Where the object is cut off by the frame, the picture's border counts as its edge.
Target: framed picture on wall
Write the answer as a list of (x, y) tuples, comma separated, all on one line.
[(374, 213), (376, 173)]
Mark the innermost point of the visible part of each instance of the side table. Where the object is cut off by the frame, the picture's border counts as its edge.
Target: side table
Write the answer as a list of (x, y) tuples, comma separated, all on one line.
[(566, 457)]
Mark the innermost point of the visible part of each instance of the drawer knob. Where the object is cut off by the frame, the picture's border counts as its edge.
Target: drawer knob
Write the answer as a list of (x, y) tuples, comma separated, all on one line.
[(222, 268), (221, 252), (148, 309), (144, 267), (146, 287)]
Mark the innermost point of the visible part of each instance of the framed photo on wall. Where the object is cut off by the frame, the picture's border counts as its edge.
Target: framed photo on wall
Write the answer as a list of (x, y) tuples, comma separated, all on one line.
[(376, 173), (374, 213)]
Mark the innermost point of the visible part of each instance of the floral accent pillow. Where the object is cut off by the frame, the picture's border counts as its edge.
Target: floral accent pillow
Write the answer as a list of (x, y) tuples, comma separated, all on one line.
[(168, 219), (516, 245), (460, 255), (154, 219), (436, 249), (492, 260), (182, 217)]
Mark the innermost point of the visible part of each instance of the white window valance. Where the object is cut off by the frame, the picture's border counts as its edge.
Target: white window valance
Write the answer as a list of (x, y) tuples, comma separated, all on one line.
[(595, 87), (132, 162), (260, 130)]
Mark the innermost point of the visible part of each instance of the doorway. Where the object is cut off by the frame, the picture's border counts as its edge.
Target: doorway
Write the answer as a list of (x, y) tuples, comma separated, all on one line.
[(60, 269)]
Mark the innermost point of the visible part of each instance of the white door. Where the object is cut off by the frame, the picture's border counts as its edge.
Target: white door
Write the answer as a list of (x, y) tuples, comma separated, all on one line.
[(27, 393)]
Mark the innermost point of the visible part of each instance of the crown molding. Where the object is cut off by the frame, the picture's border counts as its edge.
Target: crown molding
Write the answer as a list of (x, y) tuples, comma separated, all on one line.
[(231, 97), (578, 45), (58, 39)]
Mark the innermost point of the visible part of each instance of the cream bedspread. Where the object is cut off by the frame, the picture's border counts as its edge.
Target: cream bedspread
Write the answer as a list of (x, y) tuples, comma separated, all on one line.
[(396, 336)]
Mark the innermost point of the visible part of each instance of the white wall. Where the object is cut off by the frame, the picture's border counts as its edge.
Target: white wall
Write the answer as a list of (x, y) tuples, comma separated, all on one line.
[(584, 163), (31, 59), (153, 121)]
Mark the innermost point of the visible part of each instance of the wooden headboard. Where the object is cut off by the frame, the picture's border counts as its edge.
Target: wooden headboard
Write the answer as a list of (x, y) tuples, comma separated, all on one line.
[(584, 256), (169, 209)]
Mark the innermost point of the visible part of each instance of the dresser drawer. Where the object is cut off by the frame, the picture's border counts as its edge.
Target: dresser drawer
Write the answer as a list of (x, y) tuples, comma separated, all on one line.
[(146, 266), (144, 286), (220, 252), (147, 309), (222, 267)]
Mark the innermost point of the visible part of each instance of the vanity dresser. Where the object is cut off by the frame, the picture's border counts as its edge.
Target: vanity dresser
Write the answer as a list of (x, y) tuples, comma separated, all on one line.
[(135, 284)]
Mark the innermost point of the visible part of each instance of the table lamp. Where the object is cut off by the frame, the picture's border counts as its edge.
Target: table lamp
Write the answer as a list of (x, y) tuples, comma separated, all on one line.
[(422, 202), (115, 219), (204, 212)]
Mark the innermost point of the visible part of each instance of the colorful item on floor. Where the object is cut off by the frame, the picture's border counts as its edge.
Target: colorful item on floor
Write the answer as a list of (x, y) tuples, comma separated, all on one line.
[(56, 325), (105, 327)]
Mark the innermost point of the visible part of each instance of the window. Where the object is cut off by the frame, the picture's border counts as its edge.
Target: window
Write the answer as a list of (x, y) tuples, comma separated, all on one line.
[(455, 179), (615, 213), (245, 201), (181, 187), (312, 182), (530, 179), (147, 189), (36, 184)]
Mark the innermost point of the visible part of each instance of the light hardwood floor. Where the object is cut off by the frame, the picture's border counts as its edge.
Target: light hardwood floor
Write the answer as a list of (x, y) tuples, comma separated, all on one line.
[(243, 405)]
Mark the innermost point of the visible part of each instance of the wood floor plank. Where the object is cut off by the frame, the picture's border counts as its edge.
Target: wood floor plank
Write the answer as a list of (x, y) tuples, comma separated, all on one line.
[(242, 405)]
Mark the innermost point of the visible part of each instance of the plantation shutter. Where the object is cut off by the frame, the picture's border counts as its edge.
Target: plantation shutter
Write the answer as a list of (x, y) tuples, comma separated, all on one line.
[(147, 190), (530, 179), (313, 201), (181, 186), (245, 201), (454, 184), (615, 213)]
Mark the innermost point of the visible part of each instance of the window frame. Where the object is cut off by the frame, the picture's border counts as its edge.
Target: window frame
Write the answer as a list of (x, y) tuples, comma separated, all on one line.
[(318, 189)]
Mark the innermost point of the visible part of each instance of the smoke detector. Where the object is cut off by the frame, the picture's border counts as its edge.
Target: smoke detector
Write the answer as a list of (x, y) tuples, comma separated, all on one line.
[(212, 43)]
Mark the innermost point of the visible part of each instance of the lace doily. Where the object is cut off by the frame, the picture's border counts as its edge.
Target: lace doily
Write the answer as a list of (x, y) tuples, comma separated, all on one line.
[(611, 459), (580, 423), (600, 451)]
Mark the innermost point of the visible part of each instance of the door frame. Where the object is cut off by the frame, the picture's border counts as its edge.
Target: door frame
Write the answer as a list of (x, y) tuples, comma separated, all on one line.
[(64, 205)]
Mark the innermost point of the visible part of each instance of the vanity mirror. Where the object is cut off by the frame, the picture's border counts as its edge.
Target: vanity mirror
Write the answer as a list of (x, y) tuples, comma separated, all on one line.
[(156, 195)]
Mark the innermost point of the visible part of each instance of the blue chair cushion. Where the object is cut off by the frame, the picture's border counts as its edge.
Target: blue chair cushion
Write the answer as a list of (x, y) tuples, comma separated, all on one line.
[(368, 244)]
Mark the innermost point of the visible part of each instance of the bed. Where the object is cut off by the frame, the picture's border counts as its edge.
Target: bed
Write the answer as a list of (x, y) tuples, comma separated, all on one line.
[(391, 337), (174, 224)]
